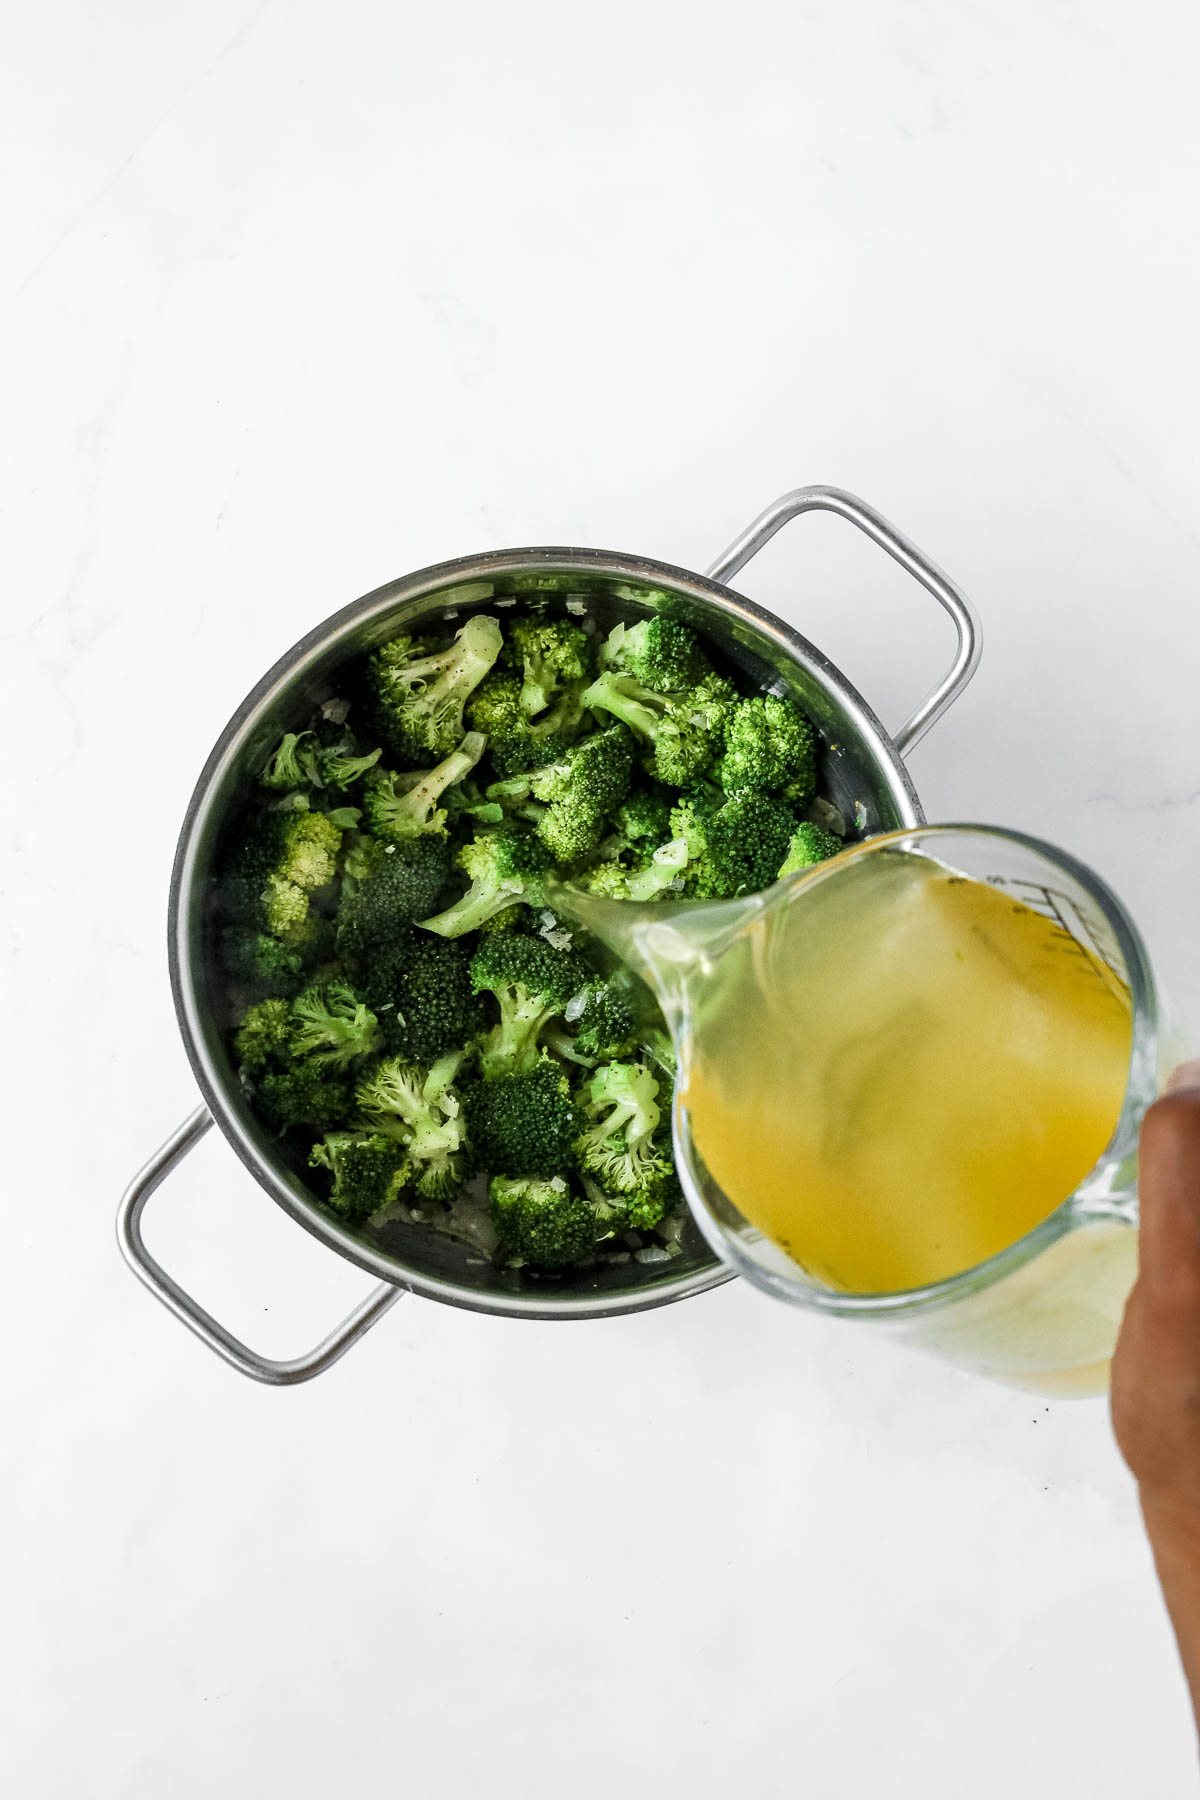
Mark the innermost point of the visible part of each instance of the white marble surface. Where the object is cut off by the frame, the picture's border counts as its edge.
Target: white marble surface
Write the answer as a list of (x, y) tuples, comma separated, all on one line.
[(298, 297)]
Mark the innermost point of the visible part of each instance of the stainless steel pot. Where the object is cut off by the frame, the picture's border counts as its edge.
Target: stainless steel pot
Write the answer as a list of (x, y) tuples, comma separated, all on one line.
[(864, 775)]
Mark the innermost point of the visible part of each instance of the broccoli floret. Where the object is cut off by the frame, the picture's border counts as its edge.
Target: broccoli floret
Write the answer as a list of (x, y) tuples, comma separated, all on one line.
[(341, 767), (551, 655), (579, 790), (308, 845), (769, 744), (680, 734), (296, 1054), (264, 963), (809, 846), (369, 1171), (525, 1124), (419, 693), (504, 865), (495, 706), (543, 1220), (332, 1025), (661, 653), (643, 819), (419, 987), (287, 857), (531, 982), (420, 1109), (293, 763), (608, 880), (606, 1025), (515, 741), (303, 1093), (620, 1148), (401, 807), (264, 1035), (643, 878), (303, 760), (396, 885), (734, 847)]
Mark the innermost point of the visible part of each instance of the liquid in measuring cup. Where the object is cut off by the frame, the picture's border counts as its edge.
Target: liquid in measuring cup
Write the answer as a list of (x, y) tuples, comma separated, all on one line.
[(898, 1074)]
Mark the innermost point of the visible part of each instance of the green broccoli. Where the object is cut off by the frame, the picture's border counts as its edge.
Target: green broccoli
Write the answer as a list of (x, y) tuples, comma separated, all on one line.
[(400, 807), (619, 1146), (680, 733), (420, 1109), (297, 1053), (643, 820), (369, 1171), (531, 983), (809, 845), (578, 791), (395, 885), (288, 856), (293, 763), (263, 963), (419, 987), (504, 865), (264, 1035), (605, 1020), (661, 653), (524, 1124), (416, 1037), (643, 878), (543, 1220), (333, 1026), (551, 655), (302, 760), (735, 845), (341, 767), (769, 744), (419, 692), (303, 1093), (516, 742)]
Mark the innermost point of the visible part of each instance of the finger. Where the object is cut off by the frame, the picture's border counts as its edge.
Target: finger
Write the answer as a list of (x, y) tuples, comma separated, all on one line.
[(1169, 1194)]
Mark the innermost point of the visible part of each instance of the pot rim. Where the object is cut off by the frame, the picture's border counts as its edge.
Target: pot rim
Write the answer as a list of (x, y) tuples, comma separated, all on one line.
[(306, 652)]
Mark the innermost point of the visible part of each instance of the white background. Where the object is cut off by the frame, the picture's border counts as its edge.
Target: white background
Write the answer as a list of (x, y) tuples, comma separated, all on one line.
[(297, 298)]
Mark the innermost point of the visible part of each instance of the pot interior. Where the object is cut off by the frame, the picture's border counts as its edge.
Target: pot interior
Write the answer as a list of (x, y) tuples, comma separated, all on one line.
[(860, 774)]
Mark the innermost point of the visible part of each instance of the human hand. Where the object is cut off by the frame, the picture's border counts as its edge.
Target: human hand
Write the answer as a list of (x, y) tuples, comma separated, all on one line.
[(1156, 1365)]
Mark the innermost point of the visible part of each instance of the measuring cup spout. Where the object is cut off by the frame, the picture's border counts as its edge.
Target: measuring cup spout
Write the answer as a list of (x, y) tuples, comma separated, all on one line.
[(670, 944)]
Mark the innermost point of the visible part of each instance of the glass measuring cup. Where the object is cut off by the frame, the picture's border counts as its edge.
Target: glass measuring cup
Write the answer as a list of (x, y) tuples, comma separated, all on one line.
[(1043, 1312)]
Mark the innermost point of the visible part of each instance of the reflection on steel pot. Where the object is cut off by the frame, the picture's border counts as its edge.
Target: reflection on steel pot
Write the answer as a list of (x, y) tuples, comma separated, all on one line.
[(862, 775)]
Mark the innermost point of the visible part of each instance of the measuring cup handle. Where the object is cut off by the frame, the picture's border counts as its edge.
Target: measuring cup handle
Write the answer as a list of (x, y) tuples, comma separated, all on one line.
[(238, 1355), (1122, 1209), (876, 527)]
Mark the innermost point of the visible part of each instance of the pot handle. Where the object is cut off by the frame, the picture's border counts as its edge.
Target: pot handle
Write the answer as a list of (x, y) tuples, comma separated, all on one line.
[(876, 527), (192, 1314)]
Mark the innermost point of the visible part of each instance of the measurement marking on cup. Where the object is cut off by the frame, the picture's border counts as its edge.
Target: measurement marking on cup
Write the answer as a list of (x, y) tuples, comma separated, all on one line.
[(1103, 966)]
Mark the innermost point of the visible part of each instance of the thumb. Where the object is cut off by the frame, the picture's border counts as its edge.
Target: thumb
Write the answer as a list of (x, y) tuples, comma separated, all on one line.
[(1156, 1365), (1169, 1195)]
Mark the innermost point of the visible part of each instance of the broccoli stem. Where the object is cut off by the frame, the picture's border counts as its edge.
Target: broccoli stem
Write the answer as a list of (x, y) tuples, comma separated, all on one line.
[(628, 701), (415, 811), (664, 867), (481, 902)]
